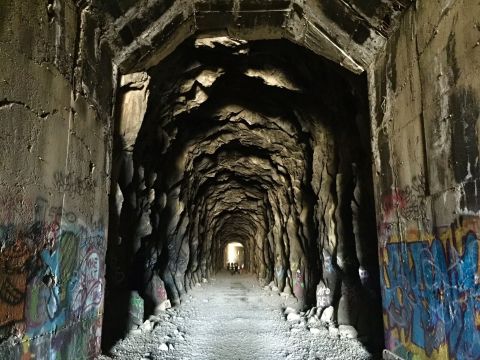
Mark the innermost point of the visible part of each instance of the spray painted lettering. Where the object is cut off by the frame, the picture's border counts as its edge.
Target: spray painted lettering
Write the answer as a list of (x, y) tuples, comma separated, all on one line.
[(431, 295)]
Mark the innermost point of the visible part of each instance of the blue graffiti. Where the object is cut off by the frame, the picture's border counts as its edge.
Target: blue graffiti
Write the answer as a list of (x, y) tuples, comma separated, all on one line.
[(432, 293)]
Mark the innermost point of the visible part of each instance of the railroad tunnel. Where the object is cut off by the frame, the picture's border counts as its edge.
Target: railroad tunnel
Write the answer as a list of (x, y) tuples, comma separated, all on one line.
[(239, 179)]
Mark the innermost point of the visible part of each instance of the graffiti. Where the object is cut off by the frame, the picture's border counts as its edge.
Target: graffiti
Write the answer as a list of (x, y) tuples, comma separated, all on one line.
[(87, 292), (69, 243), (323, 296), (431, 294), (298, 285), (408, 203), (72, 183), (16, 264), (156, 288), (327, 263), (136, 310), (51, 276), (94, 340), (14, 260), (58, 212)]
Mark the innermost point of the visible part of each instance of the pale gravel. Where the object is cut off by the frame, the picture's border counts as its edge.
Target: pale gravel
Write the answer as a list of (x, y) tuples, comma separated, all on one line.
[(233, 317)]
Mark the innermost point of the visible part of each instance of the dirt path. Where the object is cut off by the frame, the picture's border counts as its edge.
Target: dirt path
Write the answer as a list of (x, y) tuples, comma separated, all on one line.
[(234, 318)]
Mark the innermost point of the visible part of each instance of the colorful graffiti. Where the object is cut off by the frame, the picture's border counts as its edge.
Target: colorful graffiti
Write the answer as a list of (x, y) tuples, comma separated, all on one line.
[(431, 293), (51, 277), (136, 310)]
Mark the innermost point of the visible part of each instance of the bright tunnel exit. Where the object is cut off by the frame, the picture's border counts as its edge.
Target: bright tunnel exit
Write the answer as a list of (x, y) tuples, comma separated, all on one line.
[(234, 254)]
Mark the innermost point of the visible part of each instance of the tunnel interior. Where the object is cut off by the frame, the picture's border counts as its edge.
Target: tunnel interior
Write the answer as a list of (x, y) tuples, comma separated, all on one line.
[(140, 137), (260, 142)]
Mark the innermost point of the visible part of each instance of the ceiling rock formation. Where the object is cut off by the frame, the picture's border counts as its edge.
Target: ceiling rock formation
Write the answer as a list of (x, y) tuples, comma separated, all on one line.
[(261, 143), (349, 32)]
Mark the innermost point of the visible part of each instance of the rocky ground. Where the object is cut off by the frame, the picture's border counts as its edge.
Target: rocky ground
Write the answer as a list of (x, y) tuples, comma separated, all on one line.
[(234, 317)]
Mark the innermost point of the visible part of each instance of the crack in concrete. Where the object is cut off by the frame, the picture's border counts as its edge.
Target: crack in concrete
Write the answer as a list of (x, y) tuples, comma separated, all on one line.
[(5, 103)]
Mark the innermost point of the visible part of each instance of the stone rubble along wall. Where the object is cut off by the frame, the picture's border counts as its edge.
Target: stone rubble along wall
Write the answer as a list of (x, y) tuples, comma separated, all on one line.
[(424, 97), (54, 178)]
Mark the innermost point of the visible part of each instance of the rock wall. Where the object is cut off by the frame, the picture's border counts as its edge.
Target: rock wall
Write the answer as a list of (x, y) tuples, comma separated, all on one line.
[(54, 155), (424, 96), (262, 143)]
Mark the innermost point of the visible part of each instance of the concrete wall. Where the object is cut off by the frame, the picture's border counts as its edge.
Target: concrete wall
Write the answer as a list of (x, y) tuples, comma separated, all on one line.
[(424, 94), (54, 156)]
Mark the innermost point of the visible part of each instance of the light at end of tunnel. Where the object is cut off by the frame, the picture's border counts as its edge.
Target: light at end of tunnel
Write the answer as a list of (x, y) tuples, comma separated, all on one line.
[(233, 252)]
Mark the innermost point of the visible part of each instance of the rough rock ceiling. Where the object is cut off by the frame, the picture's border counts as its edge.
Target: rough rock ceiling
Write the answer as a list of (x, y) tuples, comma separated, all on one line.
[(349, 32)]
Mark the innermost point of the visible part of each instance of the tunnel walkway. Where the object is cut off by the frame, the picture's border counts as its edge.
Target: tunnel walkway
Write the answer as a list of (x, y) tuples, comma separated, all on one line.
[(233, 317)]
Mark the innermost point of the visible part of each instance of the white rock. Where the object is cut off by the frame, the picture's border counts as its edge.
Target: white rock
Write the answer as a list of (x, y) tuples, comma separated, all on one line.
[(333, 331), (198, 285), (147, 326), (135, 332), (163, 347), (347, 332), (163, 306), (293, 317), (204, 280), (327, 314), (205, 300), (289, 310), (274, 289), (315, 331), (171, 347)]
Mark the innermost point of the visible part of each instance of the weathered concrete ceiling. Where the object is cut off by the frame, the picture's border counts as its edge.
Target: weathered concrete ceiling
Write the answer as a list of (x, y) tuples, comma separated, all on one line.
[(349, 32)]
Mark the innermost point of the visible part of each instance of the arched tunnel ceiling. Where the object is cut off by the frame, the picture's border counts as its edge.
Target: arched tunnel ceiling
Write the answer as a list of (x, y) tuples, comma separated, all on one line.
[(348, 32)]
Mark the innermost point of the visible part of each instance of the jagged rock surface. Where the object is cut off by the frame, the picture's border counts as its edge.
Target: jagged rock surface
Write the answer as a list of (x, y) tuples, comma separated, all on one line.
[(239, 143)]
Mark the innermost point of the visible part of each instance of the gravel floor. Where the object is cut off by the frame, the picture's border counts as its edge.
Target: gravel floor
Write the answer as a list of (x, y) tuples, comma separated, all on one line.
[(233, 317)]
